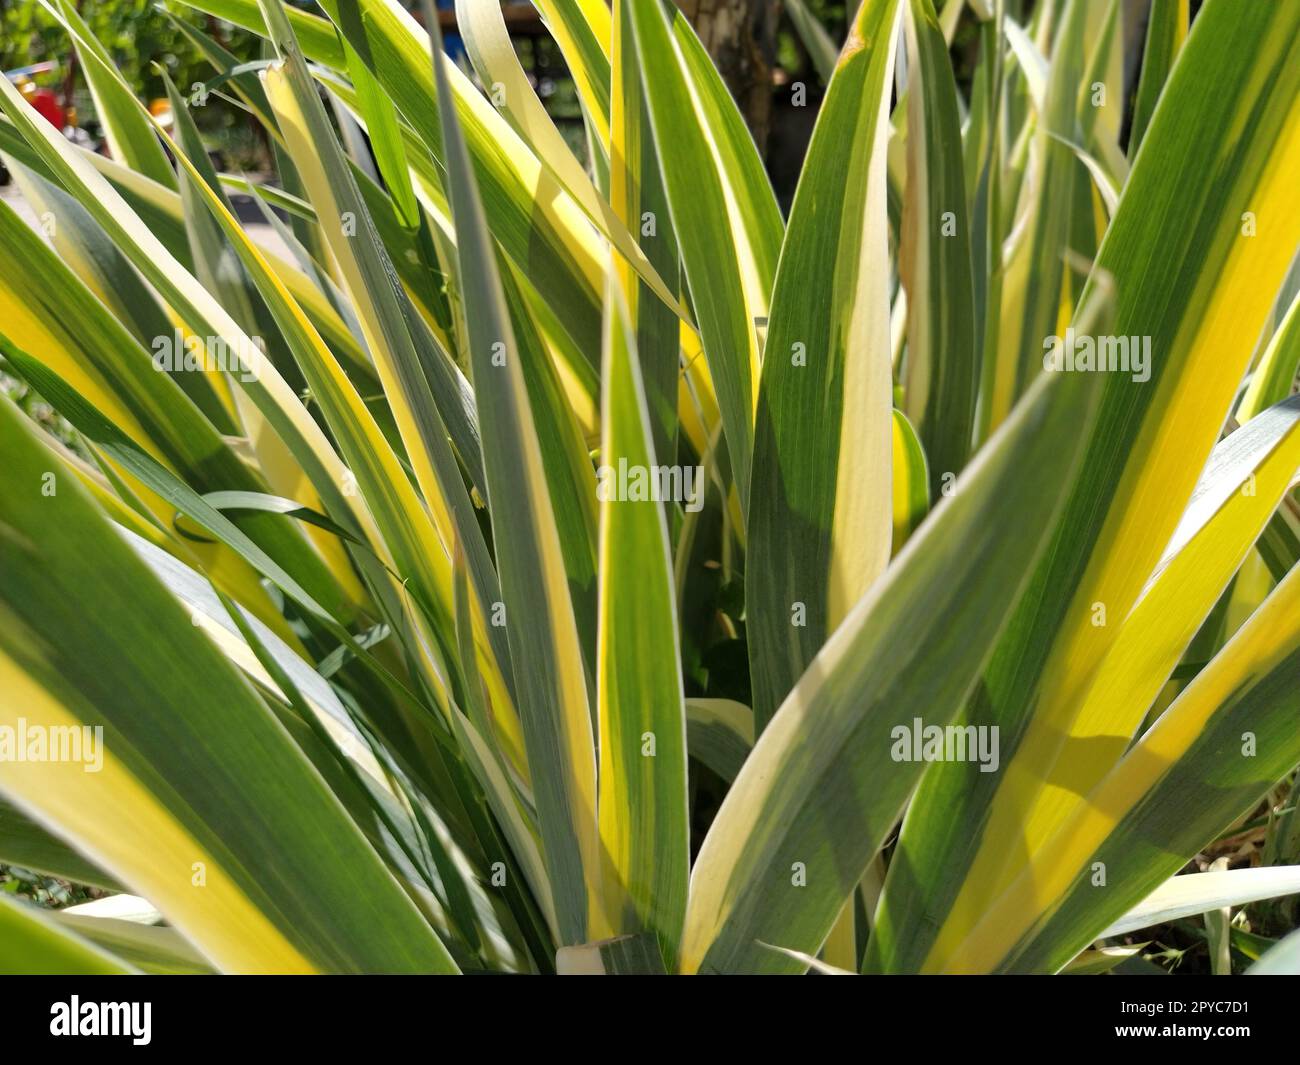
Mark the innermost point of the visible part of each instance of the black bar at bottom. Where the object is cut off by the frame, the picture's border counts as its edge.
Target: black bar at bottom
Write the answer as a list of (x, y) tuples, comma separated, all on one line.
[(394, 1017)]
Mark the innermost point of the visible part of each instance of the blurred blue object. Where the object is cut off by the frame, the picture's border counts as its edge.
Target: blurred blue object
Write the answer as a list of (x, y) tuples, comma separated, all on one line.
[(451, 42)]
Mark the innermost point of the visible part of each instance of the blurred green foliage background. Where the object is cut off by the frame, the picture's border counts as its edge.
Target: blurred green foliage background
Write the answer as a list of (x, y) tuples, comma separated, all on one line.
[(137, 32)]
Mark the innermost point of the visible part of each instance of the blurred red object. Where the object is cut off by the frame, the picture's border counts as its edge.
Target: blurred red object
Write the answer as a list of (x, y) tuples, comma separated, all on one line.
[(47, 104), (44, 100)]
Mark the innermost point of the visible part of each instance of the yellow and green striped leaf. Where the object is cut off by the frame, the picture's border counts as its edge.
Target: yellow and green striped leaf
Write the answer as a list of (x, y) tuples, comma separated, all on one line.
[(484, 31), (911, 491), (539, 616), (130, 136), (1273, 377), (820, 515), (538, 224), (1244, 481), (33, 943), (636, 195), (643, 812), (581, 28), (192, 760), (941, 374), (1143, 455), (1211, 755), (1166, 32), (198, 310), (826, 781), (381, 307), (728, 272)]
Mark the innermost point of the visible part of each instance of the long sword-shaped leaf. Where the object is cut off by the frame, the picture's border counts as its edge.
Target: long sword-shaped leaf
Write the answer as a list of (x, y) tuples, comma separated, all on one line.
[(156, 204), (1194, 893), (728, 293), (644, 827), (406, 527), (1273, 378), (34, 944), (130, 136), (582, 30), (217, 268), (91, 255), (537, 223), (1144, 453), (565, 458), (1246, 478), (484, 31), (827, 779), (1036, 273), (984, 162), (751, 201), (820, 518), (192, 761), (229, 285), (1166, 32), (202, 314), (943, 350), (383, 128), (540, 624), (50, 311), (1212, 754), (380, 302), (636, 194)]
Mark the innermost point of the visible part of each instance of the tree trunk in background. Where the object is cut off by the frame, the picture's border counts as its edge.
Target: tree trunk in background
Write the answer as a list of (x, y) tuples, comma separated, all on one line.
[(740, 35)]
